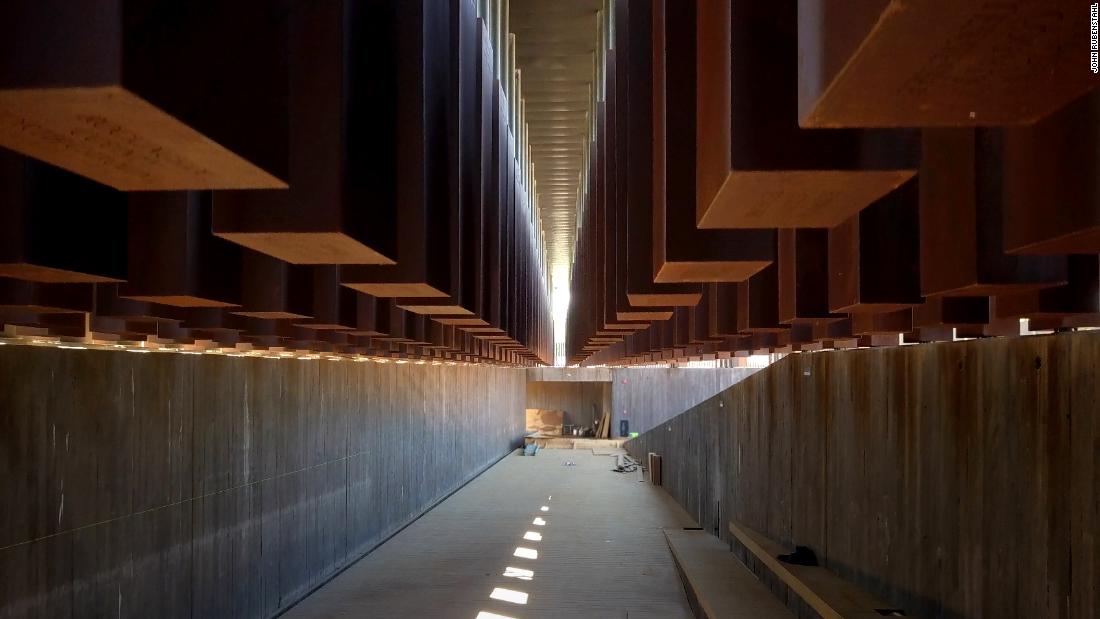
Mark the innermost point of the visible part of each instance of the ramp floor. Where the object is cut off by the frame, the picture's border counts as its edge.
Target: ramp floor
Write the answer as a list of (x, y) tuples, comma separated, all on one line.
[(600, 551)]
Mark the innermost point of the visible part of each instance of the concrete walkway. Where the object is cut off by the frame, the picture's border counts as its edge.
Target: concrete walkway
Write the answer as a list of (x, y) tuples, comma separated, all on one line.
[(597, 535)]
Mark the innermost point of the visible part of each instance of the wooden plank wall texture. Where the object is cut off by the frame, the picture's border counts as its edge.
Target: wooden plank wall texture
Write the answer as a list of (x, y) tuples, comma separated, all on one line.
[(167, 485), (955, 480)]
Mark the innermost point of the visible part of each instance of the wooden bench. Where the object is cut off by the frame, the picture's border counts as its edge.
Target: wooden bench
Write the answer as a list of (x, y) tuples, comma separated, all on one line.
[(825, 592), (717, 584)]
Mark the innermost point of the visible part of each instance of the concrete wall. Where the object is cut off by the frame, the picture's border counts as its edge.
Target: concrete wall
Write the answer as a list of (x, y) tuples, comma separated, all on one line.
[(569, 374), (643, 396), (954, 480), (167, 485), (646, 397)]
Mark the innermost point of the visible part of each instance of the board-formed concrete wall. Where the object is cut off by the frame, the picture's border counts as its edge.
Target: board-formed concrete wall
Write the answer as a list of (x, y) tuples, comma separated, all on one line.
[(646, 397), (642, 396), (954, 480), (168, 485)]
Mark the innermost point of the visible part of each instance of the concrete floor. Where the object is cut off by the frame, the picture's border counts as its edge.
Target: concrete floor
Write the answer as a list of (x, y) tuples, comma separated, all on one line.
[(602, 553)]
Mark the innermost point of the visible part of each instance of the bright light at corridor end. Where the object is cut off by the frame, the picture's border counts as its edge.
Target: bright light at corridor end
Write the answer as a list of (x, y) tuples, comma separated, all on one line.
[(559, 309), (488, 615)]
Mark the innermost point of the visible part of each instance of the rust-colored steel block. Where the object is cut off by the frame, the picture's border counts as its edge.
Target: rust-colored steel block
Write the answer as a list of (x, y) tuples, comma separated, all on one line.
[(682, 252), (756, 168), (153, 95), (266, 288), (804, 276), (173, 257), (332, 307), (924, 63), (1051, 197), (886, 323), (59, 227), (961, 205), (874, 257), (758, 303), (38, 298), (951, 312), (633, 161), (342, 169), (1080, 295)]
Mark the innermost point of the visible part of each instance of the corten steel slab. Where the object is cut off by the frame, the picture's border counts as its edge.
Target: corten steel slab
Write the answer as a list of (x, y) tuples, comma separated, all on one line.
[(1004, 327), (699, 320), (109, 304), (471, 122), (133, 95), (663, 299), (59, 227), (500, 190), (681, 330), (461, 321), (627, 326), (874, 261), (930, 334), (879, 340), (766, 342), (722, 310), (682, 252), (611, 212), (643, 315), (874, 323), (34, 297), (634, 157), (1080, 295), (433, 307), (427, 200), (339, 161), (91, 131), (478, 165), (1082, 320), (920, 63), (756, 167), (332, 306), (831, 331), (1051, 199), (372, 316), (266, 285), (803, 258), (758, 303), (951, 311), (961, 203), (173, 257)]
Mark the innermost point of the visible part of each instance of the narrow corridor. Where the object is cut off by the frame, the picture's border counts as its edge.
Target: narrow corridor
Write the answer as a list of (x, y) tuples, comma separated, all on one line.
[(530, 538)]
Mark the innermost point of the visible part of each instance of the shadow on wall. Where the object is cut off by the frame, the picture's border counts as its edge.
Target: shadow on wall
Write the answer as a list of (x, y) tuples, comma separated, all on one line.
[(643, 397), (646, 397)]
